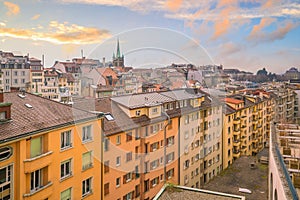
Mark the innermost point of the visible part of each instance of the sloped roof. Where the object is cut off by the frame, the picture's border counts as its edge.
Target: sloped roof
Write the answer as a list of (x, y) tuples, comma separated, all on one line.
[(44, 114)]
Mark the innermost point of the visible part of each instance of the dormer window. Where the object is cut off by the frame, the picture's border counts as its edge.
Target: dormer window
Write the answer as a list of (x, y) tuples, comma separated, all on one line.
[(2, 116), (138, 113)]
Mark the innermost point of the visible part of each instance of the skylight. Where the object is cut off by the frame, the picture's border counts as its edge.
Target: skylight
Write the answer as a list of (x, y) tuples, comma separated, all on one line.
[(109, 117), (28, 105)]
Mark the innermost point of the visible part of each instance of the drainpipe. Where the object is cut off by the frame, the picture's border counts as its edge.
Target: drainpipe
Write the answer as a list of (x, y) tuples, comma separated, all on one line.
[(165, 145)]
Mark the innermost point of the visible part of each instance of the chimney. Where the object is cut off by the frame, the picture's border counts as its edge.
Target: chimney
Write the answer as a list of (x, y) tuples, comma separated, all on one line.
[(4, 108), (103, 61), (1, 96)]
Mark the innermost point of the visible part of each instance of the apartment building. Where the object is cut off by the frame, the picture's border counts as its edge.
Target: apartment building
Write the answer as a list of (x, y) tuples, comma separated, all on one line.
[(48, 150), (284, 165), (200, 136), (16, 70), (285, 98), (50, 84), (36, 76), (247, 119)]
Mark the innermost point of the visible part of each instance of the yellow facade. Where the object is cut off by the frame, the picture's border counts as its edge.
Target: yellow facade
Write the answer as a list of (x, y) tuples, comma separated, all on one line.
[(40, 173)]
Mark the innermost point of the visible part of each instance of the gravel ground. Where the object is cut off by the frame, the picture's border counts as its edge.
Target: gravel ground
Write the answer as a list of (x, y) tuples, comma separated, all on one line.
[(240, 174)]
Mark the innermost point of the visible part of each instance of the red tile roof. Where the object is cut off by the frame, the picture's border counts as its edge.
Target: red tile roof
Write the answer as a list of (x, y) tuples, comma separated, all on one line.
[(234, 101)]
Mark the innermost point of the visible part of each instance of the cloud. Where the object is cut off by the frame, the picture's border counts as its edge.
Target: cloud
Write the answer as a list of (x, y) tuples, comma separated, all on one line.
[(2, 24), (278, 34), (35, 17), (229, 48), (13, 9), (173, 5), (264, 22), (222, 26), (59, 33)]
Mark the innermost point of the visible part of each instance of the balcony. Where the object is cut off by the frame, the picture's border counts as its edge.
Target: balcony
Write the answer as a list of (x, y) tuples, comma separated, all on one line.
[(236, 132), (243, 128), (255, 150), (255, 140), (37, 162), (236, 153), (236, 121), (244, 149), (244, 139), (236, 143), (255, 122), (41, 193)]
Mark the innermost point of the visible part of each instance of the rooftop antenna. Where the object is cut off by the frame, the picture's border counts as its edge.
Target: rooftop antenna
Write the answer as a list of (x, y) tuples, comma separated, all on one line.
[(81, 53)]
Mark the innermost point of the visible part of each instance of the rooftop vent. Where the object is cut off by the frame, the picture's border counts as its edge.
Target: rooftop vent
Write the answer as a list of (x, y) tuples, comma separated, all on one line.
[(21, 96), (28, 105)]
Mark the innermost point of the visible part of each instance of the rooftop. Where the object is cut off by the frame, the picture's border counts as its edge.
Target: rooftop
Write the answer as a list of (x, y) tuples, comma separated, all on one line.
[(180, 192), (31, 114), (141, 100)]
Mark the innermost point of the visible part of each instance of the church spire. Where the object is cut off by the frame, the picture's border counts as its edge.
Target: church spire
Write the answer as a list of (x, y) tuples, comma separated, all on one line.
[(118, 50)]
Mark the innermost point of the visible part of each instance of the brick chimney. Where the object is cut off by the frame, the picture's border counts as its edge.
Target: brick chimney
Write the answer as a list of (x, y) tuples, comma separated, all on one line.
[(5, 109)]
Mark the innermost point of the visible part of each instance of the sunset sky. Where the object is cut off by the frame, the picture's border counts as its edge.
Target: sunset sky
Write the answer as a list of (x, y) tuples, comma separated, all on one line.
[(247, 34)]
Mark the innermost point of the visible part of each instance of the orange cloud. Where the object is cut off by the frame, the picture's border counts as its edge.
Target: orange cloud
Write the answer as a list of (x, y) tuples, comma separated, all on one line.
[(227, 3), (173, 5), (35, 17), (222, 26), (277, 34), (264, 22), (13, 9), (59, 34)]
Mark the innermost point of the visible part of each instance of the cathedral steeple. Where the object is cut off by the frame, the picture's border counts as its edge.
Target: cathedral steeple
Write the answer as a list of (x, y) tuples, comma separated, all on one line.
[(118, 50), (118, 58)]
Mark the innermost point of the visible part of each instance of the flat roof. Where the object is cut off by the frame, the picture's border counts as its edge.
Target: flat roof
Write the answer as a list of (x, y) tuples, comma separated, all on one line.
[(181, 192)]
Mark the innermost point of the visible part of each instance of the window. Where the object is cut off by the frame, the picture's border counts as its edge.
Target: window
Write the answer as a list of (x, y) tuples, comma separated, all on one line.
[(186, 135), (128, 136), (170, 140), (170, 173), (118, 161), (87, 160), (154, 146), (5, 182), (87, 133), (106, 188), (65, 169), (128, 156), (106, 166), (66, 195), (154, 181), (106, 144), (154, 164), (16, 81), (154, 110), (36, 180), (118, 139), (5, 153), (127, 177), (65, 139), (86, 186), (118, 182), (186, 119), (138, 113), (36, 147), (170, 157), (128, 196)]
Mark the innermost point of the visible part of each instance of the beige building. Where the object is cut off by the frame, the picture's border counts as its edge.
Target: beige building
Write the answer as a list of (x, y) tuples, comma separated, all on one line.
[(247, 119)]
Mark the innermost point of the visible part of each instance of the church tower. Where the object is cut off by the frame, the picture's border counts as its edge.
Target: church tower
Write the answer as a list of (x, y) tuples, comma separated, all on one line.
[(118, 59)]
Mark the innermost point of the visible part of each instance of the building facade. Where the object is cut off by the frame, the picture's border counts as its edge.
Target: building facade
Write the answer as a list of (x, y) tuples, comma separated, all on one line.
[(47, 150)]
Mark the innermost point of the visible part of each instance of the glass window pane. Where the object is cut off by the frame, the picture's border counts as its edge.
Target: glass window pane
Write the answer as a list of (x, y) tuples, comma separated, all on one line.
[(65, 195), (36, 146)]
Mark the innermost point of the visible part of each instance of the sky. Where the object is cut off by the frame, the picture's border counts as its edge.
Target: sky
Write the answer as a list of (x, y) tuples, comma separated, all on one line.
[(245, 34)]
